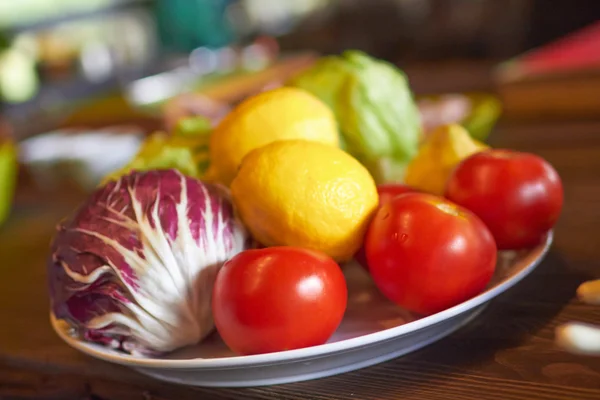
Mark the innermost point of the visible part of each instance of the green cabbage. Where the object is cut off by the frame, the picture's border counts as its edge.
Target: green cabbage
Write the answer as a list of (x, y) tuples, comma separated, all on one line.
[(374, 106)]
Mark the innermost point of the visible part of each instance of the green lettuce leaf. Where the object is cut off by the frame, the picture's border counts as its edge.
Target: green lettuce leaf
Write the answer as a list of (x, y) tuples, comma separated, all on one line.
[(374, 106), (160, 151), (185, 149), (192, 127)]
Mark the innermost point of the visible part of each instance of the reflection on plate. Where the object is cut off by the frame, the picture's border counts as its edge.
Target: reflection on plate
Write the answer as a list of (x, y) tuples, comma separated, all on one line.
[(373, 330)]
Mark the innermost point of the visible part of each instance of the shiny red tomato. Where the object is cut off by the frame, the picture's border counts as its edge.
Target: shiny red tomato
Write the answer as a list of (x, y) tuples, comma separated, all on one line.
[(386, 192), (278, 298), (427, 254), (519, 196)]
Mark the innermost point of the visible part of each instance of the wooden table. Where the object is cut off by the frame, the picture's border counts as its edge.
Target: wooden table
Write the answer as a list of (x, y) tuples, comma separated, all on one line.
[(507, 353)]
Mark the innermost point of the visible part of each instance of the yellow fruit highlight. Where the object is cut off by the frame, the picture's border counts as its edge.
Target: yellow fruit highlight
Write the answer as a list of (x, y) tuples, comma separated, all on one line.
[(441, 152), (305, 194), (279, 114)]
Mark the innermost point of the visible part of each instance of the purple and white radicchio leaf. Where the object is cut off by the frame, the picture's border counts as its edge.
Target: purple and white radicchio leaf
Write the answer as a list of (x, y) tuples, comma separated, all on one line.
[(134, 267)]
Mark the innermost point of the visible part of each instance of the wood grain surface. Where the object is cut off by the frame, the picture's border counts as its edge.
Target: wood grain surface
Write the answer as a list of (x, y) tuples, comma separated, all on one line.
[(507, 353)]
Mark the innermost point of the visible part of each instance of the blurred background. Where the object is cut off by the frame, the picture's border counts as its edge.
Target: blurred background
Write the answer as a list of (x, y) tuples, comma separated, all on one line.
[(56, 55), (114, 66)]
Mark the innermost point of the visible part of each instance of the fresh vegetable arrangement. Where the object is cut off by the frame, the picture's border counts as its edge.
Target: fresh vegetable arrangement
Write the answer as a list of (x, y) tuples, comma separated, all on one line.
[(249, 223)]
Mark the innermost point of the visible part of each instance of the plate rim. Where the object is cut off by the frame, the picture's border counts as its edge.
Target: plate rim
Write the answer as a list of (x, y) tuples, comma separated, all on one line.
[(99, 352), (354, 366)]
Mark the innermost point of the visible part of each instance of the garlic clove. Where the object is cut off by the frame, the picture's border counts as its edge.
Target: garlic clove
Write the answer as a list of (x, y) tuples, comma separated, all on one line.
[(579, 338)]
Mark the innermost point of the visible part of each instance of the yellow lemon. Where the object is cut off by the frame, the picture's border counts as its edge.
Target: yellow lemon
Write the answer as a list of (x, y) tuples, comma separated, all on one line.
[(305, 194), (278, 114), (439, 154)]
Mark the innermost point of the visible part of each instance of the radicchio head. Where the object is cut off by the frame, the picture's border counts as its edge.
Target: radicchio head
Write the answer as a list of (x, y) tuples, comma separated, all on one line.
[(134, 267)]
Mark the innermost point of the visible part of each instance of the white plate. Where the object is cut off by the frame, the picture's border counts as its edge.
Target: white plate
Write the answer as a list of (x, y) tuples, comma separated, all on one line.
[(373, 330)]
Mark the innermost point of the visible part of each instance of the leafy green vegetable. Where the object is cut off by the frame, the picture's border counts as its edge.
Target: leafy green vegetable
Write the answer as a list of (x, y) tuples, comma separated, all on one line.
[(194, 132), (186, 150), (192, 126), (477, 112), (159, 151), (375, 109), (8, 174), (484, 114)]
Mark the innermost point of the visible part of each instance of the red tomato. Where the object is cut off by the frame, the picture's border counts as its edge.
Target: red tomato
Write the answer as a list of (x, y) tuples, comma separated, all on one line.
[(427, 254), (361, 258), (386, 191), (278, 298), (519, 196)]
